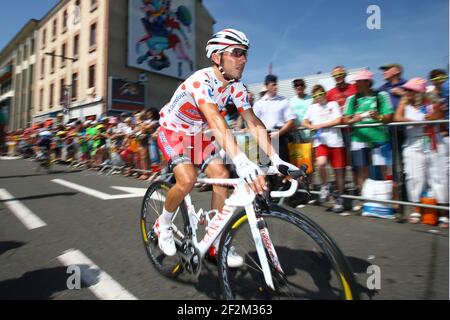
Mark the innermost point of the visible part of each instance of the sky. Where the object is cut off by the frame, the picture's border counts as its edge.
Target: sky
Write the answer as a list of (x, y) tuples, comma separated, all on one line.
[(304, 37)]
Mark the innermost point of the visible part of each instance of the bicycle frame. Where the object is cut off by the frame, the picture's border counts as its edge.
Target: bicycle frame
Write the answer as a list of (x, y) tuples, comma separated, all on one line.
[(242, 196)]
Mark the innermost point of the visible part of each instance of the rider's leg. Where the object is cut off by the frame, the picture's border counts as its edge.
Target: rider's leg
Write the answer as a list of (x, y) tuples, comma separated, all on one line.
[(217, 170), (185, 176)]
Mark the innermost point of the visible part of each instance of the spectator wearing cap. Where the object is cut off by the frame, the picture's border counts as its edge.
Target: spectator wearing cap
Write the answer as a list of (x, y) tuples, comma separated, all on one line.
[(328, 144), (276, 114), (342, 90), (301, 101), (392, 74), (366, 107), (424, 152)]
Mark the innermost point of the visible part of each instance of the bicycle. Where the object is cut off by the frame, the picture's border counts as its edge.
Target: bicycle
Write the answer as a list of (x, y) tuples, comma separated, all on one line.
[(315, 269), (43, 159)]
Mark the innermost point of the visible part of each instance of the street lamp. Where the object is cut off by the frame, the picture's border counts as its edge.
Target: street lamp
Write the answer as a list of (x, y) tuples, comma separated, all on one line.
[(67, 88)]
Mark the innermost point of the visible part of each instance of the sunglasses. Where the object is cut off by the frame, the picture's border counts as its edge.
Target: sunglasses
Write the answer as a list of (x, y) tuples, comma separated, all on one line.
[(236, 52), (338, 75), (298, 85), (318, 95), (439, 78)]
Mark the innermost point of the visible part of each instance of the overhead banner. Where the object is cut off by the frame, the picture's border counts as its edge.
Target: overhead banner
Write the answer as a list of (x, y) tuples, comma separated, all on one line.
[(161, 36), (126, 95)]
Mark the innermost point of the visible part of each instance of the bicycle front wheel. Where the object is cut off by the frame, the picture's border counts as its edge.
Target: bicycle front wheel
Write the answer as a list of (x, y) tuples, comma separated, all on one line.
[(312, 265), (152, 207)]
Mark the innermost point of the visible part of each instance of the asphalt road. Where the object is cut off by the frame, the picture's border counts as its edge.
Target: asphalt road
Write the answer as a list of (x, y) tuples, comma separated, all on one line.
[(102, 235)]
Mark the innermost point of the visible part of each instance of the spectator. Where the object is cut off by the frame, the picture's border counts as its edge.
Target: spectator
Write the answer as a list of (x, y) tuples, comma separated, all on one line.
[(368, 107), (340, 93), (262, 92), (392, 73), (328, 145), (276, 114), (343, 90), (440, 94), (424, 150), (301, 101), (3, 124)]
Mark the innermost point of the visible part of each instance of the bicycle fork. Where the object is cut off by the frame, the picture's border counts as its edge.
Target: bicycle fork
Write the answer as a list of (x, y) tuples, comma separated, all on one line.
[(262, 241)]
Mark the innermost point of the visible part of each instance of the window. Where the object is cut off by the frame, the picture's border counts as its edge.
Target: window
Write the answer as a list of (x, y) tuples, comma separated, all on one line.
[(53, 62), (63, 53), (91, 81), (62, 91), (75, 86), (42, 68), (25, 52), (93, 37), (32, 46), (50, 100), (44, 38), (41, 99), (94, 4), (54, 30), (64, 22), (76, 44)]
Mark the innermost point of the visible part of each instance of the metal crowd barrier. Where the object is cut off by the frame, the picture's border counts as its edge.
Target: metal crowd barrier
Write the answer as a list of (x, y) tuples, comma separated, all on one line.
[(397, 163)]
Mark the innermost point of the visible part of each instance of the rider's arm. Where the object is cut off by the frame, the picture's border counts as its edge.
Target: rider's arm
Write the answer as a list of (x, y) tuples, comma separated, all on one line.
[(258, 131), (223, 134), (225, 138)]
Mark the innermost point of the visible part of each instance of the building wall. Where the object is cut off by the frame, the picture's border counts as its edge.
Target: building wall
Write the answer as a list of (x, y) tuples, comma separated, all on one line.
[(87, 56), (16, 86), (160, 87)]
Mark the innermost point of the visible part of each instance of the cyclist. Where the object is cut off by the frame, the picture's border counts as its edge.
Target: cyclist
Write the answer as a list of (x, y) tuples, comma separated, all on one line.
[(44, 145), (197, 105)]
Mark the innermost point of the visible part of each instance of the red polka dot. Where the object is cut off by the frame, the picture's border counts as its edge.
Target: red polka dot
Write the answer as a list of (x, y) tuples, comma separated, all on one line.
[(164, 124), (173, 125), (220, 90), (201, 101), (240, 109), (196, 84), (239, 94), (185, 126), (162, 114), (183, 87), (232, 90)]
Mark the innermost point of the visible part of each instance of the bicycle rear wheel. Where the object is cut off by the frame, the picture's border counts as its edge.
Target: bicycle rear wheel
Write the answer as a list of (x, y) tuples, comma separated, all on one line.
[(313, 266), (152, 207)]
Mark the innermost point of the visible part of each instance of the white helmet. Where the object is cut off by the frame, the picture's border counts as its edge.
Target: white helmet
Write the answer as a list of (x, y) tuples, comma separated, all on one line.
[(224, 39)]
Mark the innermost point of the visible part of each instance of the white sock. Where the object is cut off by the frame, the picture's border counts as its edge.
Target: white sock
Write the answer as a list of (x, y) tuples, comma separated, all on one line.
[(165, 218)]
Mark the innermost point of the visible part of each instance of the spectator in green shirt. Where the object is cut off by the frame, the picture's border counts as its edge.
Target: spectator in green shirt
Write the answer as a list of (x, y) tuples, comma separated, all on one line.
[(367, 107)]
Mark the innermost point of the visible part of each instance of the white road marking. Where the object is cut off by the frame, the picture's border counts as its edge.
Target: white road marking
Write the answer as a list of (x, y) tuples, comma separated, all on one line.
[(10, 158), (25, 215), (99, 194), (98, 281)]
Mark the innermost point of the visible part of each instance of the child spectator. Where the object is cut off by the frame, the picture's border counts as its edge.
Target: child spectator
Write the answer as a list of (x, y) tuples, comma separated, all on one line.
[(328, 145)]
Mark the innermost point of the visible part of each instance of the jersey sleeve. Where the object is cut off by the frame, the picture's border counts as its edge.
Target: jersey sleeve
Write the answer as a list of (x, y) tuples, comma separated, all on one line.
[(385, 103), (350, 105), (239, 96)]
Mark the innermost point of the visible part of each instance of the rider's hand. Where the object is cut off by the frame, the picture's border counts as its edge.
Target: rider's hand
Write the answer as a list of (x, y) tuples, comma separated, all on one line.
[(250, 172), (277, 162)]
